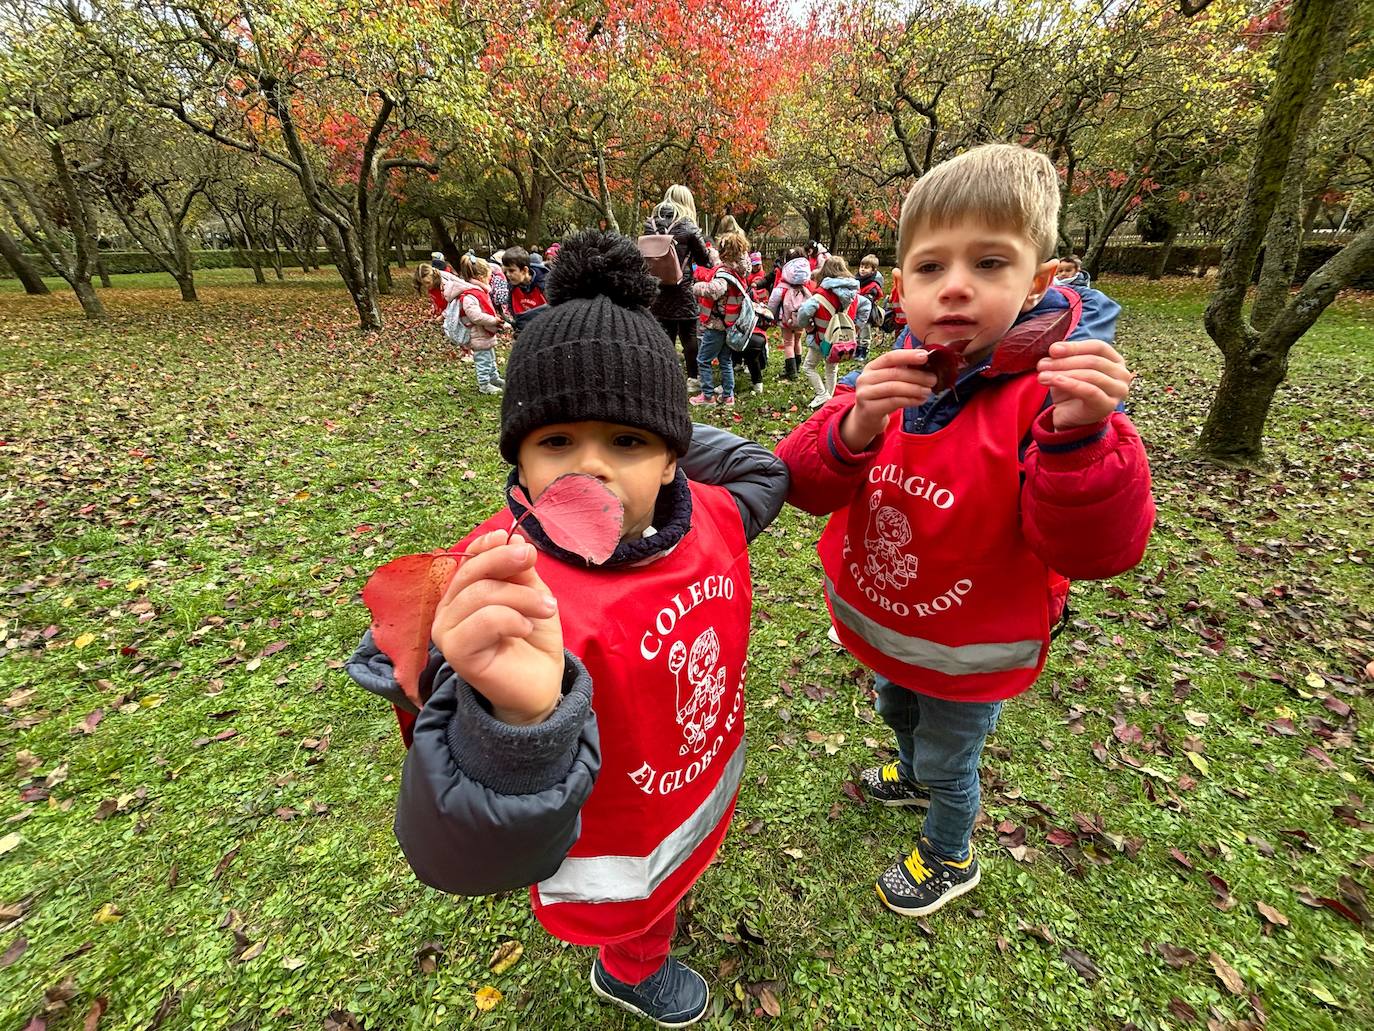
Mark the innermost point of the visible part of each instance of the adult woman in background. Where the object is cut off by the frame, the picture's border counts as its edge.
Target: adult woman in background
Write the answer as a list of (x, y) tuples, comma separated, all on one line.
[(675, 307)]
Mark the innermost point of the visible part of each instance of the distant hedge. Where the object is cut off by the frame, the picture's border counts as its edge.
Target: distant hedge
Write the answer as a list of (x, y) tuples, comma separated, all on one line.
[(1135, 259)]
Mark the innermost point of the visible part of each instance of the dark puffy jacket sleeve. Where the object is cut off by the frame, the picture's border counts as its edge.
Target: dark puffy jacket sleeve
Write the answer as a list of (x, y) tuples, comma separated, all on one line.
[(371, 668), (484, 806), (755, 477)]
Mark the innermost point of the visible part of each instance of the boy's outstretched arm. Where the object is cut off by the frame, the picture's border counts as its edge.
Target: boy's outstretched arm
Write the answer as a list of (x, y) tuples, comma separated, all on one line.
[(1086, 505), (755, 477)]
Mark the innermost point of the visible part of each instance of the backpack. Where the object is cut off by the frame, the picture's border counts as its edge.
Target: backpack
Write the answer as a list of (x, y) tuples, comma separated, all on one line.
[(738, 333), (660, 254), (454, 327), (841, 338), (793, 297)]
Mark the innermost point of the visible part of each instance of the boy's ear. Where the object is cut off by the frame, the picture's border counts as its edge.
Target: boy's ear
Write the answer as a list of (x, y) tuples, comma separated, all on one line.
[(669, 472), (1044, 278)]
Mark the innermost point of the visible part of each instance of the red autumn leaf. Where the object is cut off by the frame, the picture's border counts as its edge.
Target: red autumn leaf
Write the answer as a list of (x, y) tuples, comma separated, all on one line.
[(946, 363), (580, 514), (1027, 342), (402, 596)]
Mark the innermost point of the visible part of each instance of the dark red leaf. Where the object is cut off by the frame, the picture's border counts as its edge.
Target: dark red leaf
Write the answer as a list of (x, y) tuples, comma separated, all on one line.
[(15, 950), (580, 514), (1028, 342), (1182, 1010), (945, 363)]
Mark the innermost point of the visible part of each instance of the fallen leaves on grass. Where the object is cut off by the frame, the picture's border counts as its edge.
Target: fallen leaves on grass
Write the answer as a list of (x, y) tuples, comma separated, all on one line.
[(1227, 975), (507, 954), (486, 998)]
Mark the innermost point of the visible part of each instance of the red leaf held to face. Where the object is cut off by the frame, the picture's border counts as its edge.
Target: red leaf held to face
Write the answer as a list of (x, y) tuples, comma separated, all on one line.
[(580, 514), (402, 596), (1028, 342), (946, 363)]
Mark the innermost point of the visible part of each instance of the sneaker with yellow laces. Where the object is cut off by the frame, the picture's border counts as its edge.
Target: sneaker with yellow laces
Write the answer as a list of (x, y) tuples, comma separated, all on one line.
[(886, 784), (921, 883)]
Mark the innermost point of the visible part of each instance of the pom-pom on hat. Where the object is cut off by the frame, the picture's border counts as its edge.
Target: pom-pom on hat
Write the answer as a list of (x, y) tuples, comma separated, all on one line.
[(595, 352)]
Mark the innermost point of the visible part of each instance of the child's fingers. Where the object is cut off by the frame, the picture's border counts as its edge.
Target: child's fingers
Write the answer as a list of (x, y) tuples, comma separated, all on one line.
[(907, 393), (1109, 385), (484, 631), (1067, 388), (1084, 361), (899, 359), (1066, 348), (528, 601), (489, 557)]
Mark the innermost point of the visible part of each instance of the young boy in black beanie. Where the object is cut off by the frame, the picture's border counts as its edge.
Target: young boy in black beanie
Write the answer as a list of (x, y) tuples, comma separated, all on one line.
[(611, 815)]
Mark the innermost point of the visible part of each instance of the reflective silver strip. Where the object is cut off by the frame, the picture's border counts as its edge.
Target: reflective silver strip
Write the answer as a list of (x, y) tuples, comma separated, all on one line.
[(952, 660), (627, 878)]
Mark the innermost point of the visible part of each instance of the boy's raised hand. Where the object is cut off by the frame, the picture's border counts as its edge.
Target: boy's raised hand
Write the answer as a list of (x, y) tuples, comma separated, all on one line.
[(497, 627), (893, 380), (1088, 379)]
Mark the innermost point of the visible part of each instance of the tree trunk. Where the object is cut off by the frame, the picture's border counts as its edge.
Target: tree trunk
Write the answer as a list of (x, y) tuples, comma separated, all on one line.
[(1234, 430), (1166, 248), (25, 272), (90, 302), (443, 241), (534, 211), (187, 285), (1255, 362), (1283, 236)]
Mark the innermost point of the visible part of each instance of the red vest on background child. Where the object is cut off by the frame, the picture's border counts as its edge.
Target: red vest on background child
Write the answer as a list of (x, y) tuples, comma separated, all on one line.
[(729, 304), (895, 304), (526, 298), (826, 311), (668, 663)]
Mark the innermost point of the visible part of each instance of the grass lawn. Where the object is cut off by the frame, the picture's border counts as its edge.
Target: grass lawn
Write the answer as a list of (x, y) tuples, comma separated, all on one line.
[(195, 802)]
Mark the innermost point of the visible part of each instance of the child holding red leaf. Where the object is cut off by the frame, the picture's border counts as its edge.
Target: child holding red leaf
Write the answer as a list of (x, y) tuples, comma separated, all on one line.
[(969, 471), (512, 779)]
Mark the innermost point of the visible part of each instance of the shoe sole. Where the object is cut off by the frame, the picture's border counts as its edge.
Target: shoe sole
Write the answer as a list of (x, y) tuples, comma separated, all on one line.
[(639, 1012), (902, 803), (949, 896)]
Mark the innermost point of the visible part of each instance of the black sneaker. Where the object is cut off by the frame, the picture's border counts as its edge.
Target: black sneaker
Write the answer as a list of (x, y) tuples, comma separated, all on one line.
[(920, 884), (886, 784), (674, 995)]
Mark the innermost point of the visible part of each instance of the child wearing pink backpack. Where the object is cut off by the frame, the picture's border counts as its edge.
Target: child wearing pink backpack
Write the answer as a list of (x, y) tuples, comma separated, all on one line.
[(785, 302)]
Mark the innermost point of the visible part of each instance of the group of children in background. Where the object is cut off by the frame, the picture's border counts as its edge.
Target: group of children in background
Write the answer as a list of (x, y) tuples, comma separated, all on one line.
[(484, 303), (579, 729)]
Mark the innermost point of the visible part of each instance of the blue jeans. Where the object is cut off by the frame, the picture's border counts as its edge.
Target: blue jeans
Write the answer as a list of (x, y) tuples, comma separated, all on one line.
[(713, 347), (939, 744), (485, 364)]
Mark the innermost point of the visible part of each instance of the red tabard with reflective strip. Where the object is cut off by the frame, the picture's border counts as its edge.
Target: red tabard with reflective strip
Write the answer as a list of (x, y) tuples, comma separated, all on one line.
[(928, 577), (824, 314), (727, 306), (666, 645)]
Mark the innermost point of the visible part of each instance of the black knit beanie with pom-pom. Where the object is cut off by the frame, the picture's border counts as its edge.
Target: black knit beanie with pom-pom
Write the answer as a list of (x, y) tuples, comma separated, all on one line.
[(596, 352)]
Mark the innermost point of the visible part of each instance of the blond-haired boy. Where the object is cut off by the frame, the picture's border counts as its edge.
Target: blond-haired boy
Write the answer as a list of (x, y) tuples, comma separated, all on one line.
[(957, 515)]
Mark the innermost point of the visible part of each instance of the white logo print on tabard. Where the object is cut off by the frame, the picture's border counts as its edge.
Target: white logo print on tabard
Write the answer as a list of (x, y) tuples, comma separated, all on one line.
[(700, 686), (888, 532)]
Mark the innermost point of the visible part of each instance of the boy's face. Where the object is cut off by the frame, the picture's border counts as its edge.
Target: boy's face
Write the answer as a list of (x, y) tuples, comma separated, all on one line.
[(1066, 270), (632, 463), (866, 269), (967, 283), (516, 275)]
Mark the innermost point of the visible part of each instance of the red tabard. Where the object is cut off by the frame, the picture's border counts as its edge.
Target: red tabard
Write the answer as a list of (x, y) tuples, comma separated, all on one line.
[(666, 645), (928, 577)]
